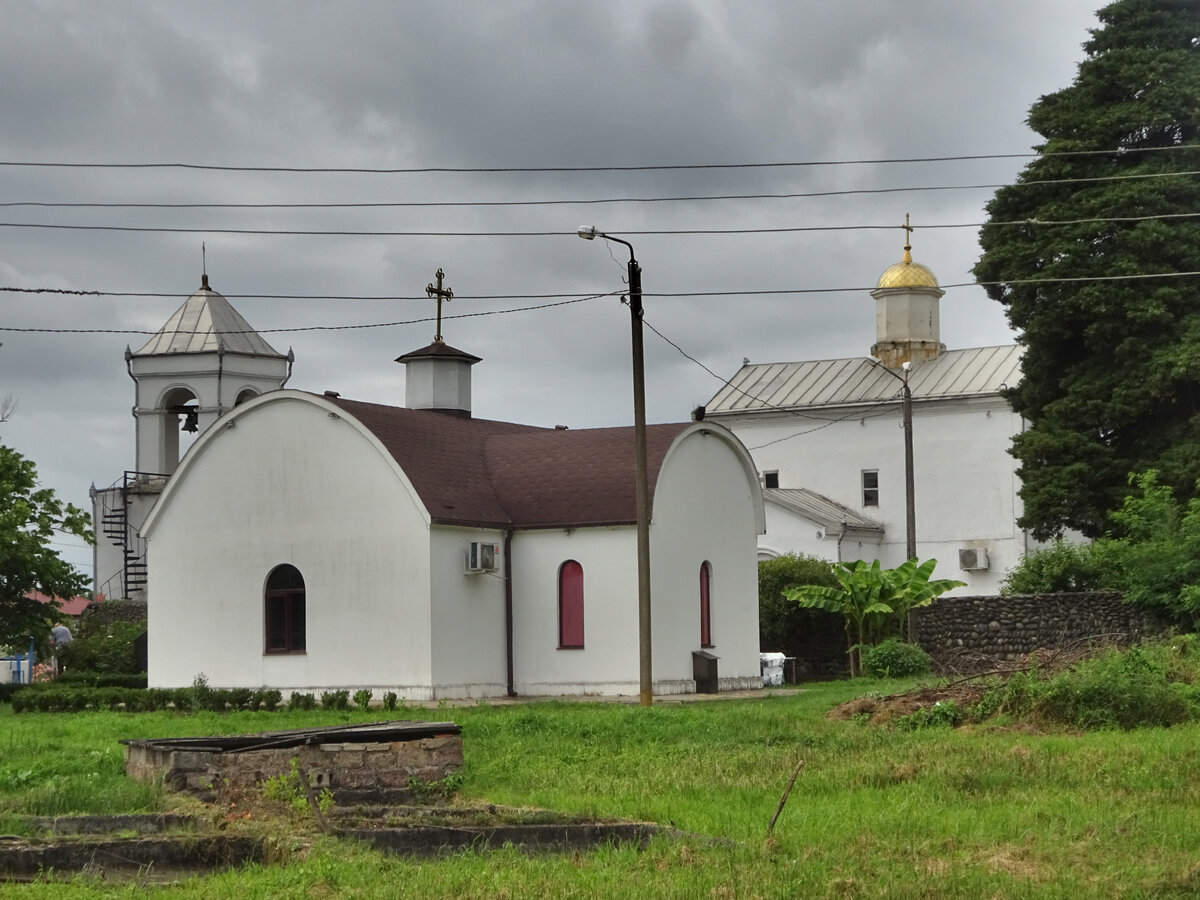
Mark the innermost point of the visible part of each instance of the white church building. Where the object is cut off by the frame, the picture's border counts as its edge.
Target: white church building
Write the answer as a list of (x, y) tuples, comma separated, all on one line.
[(310, 542), (828, 439)]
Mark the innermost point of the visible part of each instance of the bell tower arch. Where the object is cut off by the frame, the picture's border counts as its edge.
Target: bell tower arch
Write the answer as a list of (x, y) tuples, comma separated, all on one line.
[(204, 361)]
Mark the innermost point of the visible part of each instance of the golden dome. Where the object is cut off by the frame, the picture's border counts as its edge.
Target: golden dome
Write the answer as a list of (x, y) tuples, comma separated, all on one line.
[(906, 273)]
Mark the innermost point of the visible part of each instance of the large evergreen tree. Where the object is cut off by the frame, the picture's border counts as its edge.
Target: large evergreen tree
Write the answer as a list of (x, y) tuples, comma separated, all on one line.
[(1112, 367)]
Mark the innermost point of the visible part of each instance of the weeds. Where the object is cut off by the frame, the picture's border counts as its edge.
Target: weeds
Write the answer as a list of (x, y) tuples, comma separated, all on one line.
[(288, 788)]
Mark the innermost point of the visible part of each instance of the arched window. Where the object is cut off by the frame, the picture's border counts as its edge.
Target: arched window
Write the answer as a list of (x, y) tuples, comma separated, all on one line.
[(705, 609), (570, 606), (284, 605)]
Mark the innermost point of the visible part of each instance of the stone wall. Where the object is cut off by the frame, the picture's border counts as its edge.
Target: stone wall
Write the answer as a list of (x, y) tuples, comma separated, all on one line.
[(1009, 627), (354, 764)]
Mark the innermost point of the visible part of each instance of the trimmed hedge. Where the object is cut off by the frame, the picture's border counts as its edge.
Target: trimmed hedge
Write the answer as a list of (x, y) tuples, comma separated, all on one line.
[(101, 679), (68, 698)]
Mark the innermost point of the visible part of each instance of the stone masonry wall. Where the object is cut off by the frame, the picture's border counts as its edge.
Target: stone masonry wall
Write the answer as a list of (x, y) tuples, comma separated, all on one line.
[(1008, 627), (351, 770)]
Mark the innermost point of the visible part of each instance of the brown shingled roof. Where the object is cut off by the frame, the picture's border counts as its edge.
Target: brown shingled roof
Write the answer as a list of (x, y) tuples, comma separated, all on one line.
[(500, 474)]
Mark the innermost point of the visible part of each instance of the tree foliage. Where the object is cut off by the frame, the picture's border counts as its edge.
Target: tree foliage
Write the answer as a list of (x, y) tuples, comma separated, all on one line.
[(1061, 568), (1111, 367), (866, 591), (780, 621), (1155, 557), (29, 518)]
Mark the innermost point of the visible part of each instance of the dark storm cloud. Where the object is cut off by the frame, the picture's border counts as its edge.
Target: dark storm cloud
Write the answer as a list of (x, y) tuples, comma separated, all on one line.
[(492, 84)]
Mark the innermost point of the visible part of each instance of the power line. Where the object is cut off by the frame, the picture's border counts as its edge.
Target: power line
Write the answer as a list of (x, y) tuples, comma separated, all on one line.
[(423, 204), (1119, 151), (568, 300), (568, 297), (631, 233)]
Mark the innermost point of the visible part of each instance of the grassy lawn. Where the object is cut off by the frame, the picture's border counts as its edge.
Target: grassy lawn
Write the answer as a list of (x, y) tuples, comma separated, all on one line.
[(876, 812)]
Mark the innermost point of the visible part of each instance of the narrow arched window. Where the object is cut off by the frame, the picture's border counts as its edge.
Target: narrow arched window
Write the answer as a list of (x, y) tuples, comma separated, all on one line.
[(284, 607), (705, 605), (570, 606)]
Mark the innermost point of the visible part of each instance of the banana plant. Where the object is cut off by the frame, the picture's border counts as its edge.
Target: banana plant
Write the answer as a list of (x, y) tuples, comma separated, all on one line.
[(866, 591)]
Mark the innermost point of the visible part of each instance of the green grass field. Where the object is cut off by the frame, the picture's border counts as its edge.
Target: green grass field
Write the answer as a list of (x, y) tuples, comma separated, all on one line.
[(987, 812)]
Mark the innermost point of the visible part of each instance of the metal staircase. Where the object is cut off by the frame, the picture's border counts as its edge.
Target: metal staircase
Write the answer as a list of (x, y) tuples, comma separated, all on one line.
[(115, 525)]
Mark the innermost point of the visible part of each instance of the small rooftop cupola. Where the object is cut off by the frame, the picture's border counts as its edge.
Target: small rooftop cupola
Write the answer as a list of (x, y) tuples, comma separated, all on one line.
[(204, 361), (907, 311), (438, 377)]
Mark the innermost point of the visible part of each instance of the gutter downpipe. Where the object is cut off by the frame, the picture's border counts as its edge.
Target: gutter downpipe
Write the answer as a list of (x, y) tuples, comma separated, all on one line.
[(841, 537), (508, 612)]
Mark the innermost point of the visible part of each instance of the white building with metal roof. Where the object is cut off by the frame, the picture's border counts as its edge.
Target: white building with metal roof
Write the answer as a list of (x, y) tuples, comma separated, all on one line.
[(828, 439)]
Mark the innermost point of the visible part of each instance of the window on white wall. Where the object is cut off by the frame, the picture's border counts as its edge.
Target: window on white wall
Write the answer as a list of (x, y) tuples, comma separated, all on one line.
[(285, 613), (570, 606), (770, 479), (870, 487), (705, 604)]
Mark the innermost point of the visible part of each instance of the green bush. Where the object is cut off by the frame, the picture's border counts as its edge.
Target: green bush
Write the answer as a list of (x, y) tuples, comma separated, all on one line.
[(108, 650), (1060, 568), (390, 699), (782, 623), (302, 701), (102, 679), (895, 658), (335, 700), (362, 699), (1133, 689), (942, 714)]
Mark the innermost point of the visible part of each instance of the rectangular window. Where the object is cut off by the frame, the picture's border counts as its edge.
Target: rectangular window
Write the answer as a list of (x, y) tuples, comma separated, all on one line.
[(770, 479), (870, 487)]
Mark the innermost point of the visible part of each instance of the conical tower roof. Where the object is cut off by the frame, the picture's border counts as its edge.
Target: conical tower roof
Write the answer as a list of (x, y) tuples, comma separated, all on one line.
[(204, 324)]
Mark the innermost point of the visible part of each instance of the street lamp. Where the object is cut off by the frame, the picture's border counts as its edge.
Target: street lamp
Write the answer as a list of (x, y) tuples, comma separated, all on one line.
[(641, 482)]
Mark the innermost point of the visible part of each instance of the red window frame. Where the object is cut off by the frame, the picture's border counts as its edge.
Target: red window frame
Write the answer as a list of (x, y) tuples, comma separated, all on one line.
[(570, 606)]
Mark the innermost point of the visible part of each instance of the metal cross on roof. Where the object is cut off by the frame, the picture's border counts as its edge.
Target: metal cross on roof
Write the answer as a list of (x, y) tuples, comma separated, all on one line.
[(440, 294)]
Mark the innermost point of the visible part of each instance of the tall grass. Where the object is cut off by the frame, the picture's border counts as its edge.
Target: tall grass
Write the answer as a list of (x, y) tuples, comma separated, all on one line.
[(981, 812)]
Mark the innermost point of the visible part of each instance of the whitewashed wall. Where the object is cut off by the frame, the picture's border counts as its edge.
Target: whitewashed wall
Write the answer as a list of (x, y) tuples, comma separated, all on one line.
[(469, 652), (707, 506), (965, 481), (292, 481), (608, 661)]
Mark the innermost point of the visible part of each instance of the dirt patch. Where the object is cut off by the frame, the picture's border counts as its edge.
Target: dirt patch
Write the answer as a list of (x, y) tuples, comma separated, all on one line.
[(881, 710)]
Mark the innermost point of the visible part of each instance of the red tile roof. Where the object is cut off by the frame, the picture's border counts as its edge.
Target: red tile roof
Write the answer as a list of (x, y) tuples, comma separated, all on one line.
[(68, 607), (500, 474)]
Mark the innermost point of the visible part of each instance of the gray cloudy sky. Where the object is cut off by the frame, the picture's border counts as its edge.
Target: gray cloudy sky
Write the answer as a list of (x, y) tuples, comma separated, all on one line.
[(493, 84)]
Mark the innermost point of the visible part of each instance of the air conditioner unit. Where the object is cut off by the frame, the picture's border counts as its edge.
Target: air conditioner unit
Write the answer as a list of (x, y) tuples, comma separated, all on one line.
[(971, 560), (481, 557)]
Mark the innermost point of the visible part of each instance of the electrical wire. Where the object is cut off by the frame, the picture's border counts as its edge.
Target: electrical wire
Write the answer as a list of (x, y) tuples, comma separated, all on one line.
[(293, 232), (565, 298), (484, 170), (592, 201)]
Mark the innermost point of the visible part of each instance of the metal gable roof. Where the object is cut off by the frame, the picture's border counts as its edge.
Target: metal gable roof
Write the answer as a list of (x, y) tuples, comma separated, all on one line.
[(820, 509), (980, 371), (205, 323)]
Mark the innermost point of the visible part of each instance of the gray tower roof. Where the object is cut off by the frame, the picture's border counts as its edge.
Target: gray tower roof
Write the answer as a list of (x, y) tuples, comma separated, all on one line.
[(204, 324)]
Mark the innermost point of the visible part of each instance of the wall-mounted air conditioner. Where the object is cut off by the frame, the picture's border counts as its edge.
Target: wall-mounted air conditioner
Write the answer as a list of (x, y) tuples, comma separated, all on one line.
[(972, 560), (482, 557)]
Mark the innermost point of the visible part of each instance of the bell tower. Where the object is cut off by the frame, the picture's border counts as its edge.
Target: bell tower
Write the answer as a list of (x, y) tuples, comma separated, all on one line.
[(203, 362)]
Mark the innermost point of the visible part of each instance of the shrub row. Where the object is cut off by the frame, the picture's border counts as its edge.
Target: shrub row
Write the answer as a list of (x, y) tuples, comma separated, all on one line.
[(101, 679), (68, 698)]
